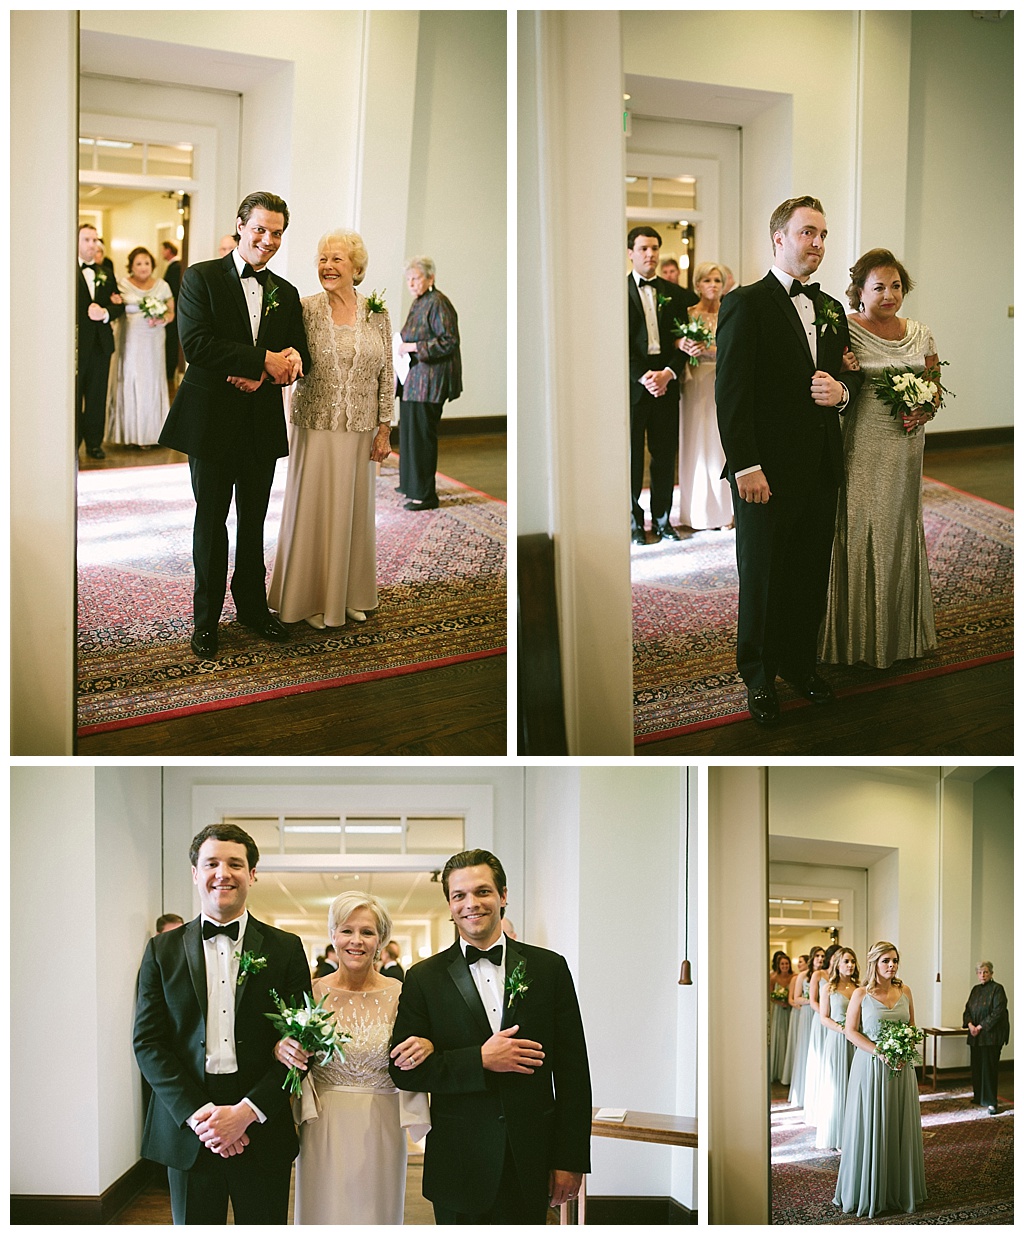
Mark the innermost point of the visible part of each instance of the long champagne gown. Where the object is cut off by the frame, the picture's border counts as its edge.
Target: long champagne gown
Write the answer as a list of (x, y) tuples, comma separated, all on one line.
[(882, 1165), (138, 400), (705, 499), (352, 1158), (880, 597)]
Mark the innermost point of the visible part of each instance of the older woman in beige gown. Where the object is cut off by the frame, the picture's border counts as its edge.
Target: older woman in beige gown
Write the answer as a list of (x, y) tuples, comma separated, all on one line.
[(326, 565), (352, 1120)]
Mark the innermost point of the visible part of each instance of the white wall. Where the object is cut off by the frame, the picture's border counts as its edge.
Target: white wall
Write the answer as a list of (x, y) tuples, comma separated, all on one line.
[(992, 901), (849, 883), (105, 826)]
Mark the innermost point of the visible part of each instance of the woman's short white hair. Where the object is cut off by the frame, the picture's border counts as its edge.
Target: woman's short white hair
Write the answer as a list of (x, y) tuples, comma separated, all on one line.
[(425, 265), (985, 965), (345, 905), (353, 245)]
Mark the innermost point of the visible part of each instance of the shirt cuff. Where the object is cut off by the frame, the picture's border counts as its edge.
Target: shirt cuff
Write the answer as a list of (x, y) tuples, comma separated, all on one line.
[(259, 1114), (747, 470), (193, 1119), (845, 399)]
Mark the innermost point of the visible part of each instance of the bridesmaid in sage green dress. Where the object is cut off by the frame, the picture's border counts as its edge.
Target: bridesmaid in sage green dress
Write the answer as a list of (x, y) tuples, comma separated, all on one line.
[(816, 1037), (794, 1019), (837, 1052), (800, 998), (882, 1163), (778, 1033)]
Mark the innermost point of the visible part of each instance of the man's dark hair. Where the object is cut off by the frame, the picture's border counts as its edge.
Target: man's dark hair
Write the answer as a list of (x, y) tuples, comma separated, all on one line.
[(228, 832), (475, 857), (165, 919), (261, 201), (785, 211), (641, 231), (173, 247)]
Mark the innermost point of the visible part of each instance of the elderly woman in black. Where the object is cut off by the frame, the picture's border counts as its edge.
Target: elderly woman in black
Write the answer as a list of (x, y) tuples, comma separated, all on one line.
[(430, 338), (987, 1022)]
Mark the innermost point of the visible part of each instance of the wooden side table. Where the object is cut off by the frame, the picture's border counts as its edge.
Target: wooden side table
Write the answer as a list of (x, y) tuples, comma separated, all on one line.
[(637, 1126), (935, 1035)]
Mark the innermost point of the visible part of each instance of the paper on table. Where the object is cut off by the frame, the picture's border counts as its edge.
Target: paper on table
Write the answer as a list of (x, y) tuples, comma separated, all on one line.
[(399, 359), (611, 1114)]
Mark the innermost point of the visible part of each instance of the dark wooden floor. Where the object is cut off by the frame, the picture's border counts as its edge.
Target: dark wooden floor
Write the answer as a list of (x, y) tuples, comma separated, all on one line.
[(456, 710), (967, 713)]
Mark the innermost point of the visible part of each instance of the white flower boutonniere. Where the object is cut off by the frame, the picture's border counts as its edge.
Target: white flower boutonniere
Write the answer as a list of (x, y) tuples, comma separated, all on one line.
[(516, 984), (827, 317), (249, 962), (270, 300), (375, 303), (100, 275)]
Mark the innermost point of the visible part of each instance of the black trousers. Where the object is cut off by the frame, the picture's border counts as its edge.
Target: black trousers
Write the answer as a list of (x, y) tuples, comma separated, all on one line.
[(256, 1183), (248, 478), (657, 421), (417, 450), (91, 396), (985, 1073), (510, 1205), (783, 556)]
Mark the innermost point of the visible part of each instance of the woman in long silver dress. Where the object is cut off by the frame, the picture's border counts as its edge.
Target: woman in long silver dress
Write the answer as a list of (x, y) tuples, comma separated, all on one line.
[(880, 598), (352, 1119)]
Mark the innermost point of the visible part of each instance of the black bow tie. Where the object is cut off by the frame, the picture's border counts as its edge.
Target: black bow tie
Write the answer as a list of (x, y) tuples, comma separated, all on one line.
[(493, 954), (89, 266), (212, 928), (648, 282), (810, 290), (260, 276)]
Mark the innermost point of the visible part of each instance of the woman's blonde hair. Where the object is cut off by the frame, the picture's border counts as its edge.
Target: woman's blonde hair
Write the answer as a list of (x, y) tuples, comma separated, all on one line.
[(875, 953), (353, 245), (705, 269), (345, 905), (833, 969)]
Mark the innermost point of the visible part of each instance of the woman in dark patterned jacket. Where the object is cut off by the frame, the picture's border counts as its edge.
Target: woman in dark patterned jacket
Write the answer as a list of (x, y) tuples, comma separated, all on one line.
[(430, 338), (987, 1022)]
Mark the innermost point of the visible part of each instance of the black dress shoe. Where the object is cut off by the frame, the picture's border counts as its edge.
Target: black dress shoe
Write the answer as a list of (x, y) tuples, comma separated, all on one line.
[(638, 536), (668, 532), (95, 452), (993, 1110), (814, 688), (204, 644), (429, 505), (267, 627), (764, 705)]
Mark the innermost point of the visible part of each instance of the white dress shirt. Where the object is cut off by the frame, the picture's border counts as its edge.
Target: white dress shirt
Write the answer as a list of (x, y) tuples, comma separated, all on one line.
[(649, 299), (489, 981), (253, 289), (221, 984)]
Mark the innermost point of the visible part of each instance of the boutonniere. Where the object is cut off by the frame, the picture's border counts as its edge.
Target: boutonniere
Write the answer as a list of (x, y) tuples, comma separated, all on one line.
[(100, 275), (663, 300), (827, 317), (270, 300), (516, 983), (249, 962), (375, 303)]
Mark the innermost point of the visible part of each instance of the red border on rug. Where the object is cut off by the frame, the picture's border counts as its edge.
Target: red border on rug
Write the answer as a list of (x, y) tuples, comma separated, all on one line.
[(303, 688), (792, 704)]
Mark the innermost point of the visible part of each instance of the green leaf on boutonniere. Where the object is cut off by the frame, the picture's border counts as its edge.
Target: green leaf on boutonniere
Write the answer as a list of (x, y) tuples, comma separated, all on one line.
[(270, 300), (249, 962), (516, 983), (375, 303), (100, 275), (663, 300), (827, 317)]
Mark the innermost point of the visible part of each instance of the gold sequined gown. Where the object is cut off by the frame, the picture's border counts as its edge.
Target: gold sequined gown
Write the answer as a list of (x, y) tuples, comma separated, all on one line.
[(352, 1159), (880, 596)]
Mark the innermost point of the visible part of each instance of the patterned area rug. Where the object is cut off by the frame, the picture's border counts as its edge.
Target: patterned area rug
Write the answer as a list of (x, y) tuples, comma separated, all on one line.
[(968, 1167), (684, 617), (441, 587)]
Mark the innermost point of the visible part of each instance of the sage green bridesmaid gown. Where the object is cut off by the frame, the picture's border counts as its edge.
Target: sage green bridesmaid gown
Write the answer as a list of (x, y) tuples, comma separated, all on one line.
[(778, 1037), (836, 1058), (796, 1058), (882, 1166)]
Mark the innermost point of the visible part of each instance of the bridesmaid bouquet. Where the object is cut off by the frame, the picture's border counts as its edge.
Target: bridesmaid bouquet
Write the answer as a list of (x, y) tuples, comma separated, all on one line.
[(152, 306), (903, 392), (313, 1026), (695, 329), (897, 1045), (779, 995)]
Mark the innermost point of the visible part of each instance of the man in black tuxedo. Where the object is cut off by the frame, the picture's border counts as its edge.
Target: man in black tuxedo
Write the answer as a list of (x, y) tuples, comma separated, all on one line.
[(172, 276), (509, 1082), (242, 333), (98, 305), (219, 1119), (780, 353), (655, 364), (391, 968)]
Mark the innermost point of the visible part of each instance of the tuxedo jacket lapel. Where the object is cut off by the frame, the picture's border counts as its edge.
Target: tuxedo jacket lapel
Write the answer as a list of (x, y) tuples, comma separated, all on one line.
[(459, 973), (234, 287), (513, 955), (265, 319), (196, 958), (634, 294), (253, 942)]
